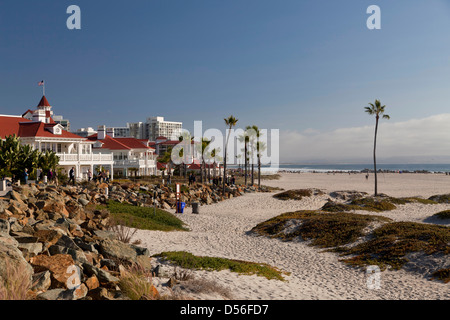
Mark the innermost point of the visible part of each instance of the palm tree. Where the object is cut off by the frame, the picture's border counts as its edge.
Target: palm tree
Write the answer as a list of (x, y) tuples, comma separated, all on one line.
[(230, 122), (245, 138), (376, 109), (253, 141), (204, 147), (184, 136), (260, 146)]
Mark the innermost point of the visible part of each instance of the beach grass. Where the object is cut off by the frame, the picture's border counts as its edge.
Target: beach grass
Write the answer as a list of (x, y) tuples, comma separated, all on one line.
[(187, 260), (373, 204), (145, 218), (392, 242)]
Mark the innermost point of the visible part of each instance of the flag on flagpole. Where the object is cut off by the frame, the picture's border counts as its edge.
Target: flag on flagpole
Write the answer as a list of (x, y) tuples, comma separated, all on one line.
[(41, 83)]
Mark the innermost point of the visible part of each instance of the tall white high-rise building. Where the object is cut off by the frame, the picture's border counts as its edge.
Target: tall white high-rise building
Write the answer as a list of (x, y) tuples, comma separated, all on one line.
[(157, 127)]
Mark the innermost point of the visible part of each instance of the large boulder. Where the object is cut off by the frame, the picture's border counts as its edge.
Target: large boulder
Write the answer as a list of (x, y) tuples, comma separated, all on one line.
[(12, 262)]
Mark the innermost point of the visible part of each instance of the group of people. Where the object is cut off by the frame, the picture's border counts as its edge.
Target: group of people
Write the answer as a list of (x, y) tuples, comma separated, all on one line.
[(215, 180), (51, 175)]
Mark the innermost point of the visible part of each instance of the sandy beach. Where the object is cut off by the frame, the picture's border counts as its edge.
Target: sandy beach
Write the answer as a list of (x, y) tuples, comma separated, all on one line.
[(221, 230)]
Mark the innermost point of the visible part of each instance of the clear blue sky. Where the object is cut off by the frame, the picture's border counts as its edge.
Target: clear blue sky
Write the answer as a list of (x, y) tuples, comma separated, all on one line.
[(290, 64)]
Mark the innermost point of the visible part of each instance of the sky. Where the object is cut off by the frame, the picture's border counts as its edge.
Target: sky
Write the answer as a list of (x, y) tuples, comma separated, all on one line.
[(305, 67)]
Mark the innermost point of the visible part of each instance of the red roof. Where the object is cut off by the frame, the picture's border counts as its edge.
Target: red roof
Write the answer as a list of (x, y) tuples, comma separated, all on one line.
[(10, 125), (25, 128), (119, 143), (133, 143), (40, 129), (28, 111), (44, 102)]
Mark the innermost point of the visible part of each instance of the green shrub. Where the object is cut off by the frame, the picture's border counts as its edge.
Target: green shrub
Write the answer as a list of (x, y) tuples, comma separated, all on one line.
[(189, 261), (145, 218)]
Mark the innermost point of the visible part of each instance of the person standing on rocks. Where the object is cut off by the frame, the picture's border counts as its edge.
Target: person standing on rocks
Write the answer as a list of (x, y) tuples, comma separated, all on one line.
[(25, 176), (72, 175)]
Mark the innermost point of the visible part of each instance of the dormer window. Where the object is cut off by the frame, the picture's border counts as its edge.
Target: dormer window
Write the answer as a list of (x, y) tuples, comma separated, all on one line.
[(57, 129)]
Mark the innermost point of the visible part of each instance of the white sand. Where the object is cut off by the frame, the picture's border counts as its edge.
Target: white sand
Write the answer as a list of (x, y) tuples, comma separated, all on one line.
[(221, 230)]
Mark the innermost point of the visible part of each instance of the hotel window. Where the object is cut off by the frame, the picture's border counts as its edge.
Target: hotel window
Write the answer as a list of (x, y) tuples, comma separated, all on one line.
[(59, 147)]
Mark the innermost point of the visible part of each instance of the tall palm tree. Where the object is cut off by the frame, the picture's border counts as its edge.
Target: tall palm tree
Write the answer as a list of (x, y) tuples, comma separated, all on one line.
[(204, 145), (230, 122), (253, 141), (378, 110), (260, 146), (245, 138)]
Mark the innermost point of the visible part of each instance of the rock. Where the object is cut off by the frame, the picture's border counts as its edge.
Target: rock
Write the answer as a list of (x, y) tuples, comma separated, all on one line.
[(105, 234), (12, 260), (55, 294), (80, 292), (32, 248), (4, 226), (92, 282), (58, 265), (48, 237), (117, 249), (7, 240), (78, 256), (103, 276), (55, 207), (41, 281), (84, 202), (99, 294)]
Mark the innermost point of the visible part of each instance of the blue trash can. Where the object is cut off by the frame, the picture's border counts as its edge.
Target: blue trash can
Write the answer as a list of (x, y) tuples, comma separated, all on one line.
[(181, 206)]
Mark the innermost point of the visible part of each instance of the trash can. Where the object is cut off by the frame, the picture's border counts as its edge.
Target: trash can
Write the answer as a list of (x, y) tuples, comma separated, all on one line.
[(195, 207), (180, 207)]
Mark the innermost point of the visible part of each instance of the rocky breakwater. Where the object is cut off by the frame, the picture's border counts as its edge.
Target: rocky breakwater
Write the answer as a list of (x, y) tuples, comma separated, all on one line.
[(51, 238), (165, 197)]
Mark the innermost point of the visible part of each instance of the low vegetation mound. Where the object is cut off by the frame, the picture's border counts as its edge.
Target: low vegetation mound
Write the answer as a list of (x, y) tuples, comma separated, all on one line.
[(189, 261), (440, 198), (364, 240), (392, 242), (324, 229), (374, 204), (297, 194), (444, 215)]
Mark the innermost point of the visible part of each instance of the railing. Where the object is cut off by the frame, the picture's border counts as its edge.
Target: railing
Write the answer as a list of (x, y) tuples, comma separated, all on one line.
[(134, 163), (63, 157)]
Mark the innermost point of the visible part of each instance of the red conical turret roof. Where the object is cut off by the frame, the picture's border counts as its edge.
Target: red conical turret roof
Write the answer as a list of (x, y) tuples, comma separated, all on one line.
[(44, 102)]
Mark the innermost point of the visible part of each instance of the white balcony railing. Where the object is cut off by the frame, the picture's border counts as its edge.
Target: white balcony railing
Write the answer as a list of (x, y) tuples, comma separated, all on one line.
[(135, 163), (91, 157)]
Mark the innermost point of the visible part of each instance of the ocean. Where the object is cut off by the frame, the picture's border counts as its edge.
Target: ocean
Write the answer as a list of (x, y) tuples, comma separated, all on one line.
[(433, 168)]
